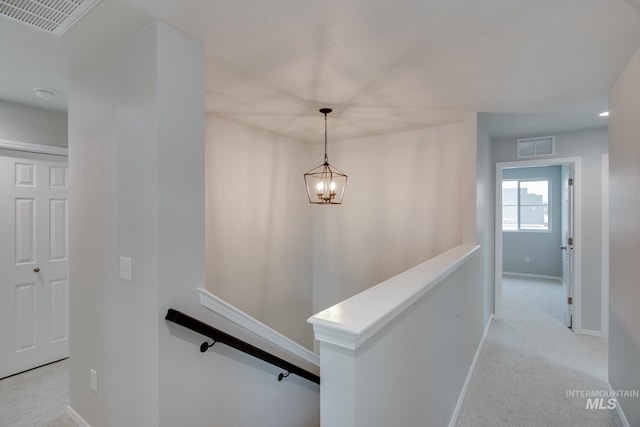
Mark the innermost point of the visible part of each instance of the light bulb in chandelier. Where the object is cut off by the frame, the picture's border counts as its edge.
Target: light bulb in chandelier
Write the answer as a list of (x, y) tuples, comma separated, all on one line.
[(325, 184), (326, 191)]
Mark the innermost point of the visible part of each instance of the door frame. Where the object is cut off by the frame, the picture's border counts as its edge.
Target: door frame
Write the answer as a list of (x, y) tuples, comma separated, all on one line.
[(34, 148), (604, 301), (577, 248)]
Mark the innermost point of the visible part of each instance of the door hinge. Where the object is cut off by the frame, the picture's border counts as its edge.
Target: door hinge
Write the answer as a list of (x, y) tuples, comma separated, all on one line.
[(569, 300), (570, 181), (570, 241)]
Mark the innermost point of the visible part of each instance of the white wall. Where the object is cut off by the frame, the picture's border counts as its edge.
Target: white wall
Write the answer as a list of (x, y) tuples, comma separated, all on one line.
[(266, 244), (590, 145), (21, 123), (137, 163), (624, 166), (259, 230), (402, 205), (113, 212)]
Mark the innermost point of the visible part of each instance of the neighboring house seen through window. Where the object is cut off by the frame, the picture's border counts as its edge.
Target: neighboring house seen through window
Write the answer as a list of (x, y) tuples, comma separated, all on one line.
[(525, 205)]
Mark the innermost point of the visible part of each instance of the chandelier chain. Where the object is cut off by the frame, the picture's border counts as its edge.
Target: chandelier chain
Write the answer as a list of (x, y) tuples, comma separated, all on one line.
[(326, 158)]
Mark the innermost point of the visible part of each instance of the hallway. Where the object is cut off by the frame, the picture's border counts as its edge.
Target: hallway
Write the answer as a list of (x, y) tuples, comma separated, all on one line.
[(531, 363)]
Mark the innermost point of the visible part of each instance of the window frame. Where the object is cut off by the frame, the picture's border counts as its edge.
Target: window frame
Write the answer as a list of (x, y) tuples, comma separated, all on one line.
[(518, 206)]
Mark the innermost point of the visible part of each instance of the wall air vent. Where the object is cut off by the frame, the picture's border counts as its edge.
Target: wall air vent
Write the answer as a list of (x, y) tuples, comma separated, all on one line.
[(53, 16), (536, 147)]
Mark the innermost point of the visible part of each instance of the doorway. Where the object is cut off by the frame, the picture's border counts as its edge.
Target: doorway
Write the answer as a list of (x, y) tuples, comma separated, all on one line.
[(33, 258), (528, 220)]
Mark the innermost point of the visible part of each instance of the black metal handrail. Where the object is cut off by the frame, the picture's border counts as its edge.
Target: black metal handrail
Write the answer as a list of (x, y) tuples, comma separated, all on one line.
[(217, 335)]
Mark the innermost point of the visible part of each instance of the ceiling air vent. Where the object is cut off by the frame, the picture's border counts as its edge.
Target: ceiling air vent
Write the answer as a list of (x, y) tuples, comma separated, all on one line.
[(536, 147), (53, 16)]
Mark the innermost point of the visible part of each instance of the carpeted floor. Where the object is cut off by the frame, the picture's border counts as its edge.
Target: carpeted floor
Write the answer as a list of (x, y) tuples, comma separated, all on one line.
[(531, 361), (37, 398)]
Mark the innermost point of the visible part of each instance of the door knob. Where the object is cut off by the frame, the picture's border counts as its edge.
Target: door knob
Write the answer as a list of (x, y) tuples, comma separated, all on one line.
[(36, 270), (564, 248)]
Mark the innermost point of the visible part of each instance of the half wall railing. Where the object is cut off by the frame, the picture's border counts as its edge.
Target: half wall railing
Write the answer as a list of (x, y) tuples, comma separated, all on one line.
[(401, 353)]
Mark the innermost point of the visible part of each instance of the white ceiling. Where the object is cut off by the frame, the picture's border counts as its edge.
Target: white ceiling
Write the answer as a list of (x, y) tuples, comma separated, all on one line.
[(384, 66), (507, 125), (33, 58)]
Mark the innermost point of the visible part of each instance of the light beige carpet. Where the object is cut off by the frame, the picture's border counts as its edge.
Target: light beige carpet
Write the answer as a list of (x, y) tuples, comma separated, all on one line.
[(529, 363), (36, 398)]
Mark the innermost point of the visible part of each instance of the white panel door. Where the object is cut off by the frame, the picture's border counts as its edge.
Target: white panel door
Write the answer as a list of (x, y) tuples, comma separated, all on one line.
[(33, 261)]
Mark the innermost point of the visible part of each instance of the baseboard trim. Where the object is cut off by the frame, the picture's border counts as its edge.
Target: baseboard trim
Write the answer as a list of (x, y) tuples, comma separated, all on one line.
[(76, 417), (590, 332), (623, 417), (534, 276), (472, 368)]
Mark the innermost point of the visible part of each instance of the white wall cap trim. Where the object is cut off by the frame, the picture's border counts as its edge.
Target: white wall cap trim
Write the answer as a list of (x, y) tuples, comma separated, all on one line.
[(353, 321), (239, 317), (34, 148)]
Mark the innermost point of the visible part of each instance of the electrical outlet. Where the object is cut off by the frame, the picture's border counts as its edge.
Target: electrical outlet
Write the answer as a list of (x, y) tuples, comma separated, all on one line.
[(94, 380), (527, 259)]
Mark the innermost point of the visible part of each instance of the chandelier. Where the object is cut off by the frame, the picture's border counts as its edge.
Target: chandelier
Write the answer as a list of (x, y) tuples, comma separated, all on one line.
[(325, 184)]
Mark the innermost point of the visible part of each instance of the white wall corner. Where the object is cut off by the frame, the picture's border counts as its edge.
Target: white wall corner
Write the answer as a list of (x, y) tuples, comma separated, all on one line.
[(469, 178), (338, 387)]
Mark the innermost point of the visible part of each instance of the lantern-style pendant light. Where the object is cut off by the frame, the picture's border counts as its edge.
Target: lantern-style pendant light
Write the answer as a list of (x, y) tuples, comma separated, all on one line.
[(325, 184)]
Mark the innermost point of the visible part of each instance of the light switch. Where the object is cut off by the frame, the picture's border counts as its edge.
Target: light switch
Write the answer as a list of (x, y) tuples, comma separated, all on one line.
[(94, 380), (125, 268)]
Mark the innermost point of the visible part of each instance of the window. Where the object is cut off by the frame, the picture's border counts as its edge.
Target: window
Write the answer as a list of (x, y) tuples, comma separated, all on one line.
[(525, 205)]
